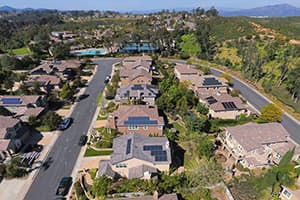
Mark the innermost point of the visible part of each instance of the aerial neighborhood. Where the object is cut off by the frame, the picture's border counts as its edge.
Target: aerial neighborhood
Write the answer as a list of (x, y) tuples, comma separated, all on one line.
[(162, 106)]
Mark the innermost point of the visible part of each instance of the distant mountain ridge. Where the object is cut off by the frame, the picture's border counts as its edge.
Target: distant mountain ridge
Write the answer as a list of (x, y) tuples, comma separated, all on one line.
[(279, 10)]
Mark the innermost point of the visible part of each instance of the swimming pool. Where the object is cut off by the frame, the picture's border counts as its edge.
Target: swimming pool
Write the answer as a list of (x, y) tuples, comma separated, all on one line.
[(91, 52)]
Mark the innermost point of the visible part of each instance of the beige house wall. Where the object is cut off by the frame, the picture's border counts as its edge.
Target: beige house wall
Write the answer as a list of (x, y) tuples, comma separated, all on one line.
[(152, 130), (124, 171), (226, 114)]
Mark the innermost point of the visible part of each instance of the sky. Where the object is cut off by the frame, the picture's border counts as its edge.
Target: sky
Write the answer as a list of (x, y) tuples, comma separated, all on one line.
[(141, 5)]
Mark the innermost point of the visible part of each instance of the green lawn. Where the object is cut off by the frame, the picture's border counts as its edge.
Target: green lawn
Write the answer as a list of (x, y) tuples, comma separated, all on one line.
[(43, 128), (21, 51), (91, 152)]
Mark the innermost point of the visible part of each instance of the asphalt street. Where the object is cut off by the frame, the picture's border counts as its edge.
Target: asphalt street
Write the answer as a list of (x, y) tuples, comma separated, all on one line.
[(258, 101), (65, 151)]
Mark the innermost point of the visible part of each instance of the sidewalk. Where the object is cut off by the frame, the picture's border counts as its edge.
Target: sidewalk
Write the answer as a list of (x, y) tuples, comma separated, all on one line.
[(16, 189)]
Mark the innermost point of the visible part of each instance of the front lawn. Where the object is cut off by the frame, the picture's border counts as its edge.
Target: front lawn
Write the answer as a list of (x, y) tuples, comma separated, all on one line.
[(21, 51), (92, 152)]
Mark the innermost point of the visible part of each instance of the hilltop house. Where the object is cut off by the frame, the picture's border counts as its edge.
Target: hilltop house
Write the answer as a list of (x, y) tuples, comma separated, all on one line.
[(140, 62), (63, 69), (138, 76), (224, 106), (142, 119), (137, 156), (24, 106), (143, 92), (186, 72), (256, 145), (13, 135), (45, 82)]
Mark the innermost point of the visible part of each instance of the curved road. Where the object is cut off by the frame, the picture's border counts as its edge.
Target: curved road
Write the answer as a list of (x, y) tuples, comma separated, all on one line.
[(258, 101), (65, 151)]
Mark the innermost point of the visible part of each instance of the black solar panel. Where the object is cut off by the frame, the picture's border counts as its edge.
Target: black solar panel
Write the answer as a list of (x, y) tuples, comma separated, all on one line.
[(137, 87), (128, 147), (157, 152), (211, 100), (211, 81), (152, 148), (229, 105), (139, 121)]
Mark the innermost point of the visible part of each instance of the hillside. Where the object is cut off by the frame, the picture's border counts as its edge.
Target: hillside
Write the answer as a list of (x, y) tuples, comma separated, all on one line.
[(280, 10)]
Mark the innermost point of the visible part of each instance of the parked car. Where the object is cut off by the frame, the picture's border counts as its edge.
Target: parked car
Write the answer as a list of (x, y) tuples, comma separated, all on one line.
[(64, 186), (65, 123), (107, 79), (80, 97), (83, 139)]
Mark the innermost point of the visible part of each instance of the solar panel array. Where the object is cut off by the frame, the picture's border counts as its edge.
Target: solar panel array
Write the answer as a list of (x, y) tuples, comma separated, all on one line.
[(157, 152), (11, 101), (211, 100), (137, 87), (229, 105), (140, 121), (128, 147), (211, 81)]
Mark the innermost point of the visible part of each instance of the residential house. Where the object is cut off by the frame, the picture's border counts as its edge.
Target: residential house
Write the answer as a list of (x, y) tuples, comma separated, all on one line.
[(46, 82), (287, 193), (145, 93), (140, 62), (140, 156), (24, 106), (13, 135), (252, 144), (186, 72), (138, 76), (142, 119), (63, 69), (207, 85), (224, 106)]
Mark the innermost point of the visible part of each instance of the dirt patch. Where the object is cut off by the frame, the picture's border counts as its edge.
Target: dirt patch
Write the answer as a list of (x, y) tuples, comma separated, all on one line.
[(100, 123)]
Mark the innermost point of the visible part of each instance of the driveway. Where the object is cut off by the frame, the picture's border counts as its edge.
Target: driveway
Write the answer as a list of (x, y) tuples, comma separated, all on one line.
[(258, 101), (65, 151)]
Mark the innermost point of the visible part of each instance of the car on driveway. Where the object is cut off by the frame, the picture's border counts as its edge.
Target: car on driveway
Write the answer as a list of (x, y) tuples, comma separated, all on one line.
[(83, 139), (65, 123), (64, 186), (107, 79)]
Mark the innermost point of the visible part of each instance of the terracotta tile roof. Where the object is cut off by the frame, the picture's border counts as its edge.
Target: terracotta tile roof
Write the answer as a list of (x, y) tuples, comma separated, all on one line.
[(126, 111), (284, 147), (49, 67), (218, 102), (252, 136), (139, 73), (184, 69), (45, 80), (6, 122), (24, 100), (4, 144)]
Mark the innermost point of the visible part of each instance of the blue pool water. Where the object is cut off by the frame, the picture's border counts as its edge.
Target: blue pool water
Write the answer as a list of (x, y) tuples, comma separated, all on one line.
[(91, 52)]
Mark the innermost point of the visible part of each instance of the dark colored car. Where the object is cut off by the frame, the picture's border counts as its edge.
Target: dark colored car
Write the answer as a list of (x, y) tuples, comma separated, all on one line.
[(65, 123), (83, 139), (81, 97), (64, 186)]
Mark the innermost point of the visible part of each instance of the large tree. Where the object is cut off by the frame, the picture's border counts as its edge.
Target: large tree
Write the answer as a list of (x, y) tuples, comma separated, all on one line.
[(190, 45), (271, 113)]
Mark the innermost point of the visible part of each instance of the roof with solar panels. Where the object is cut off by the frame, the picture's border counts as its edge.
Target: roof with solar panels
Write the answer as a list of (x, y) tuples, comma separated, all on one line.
[(152, 149), (224, 102), (137, 115), (208, 81), (18, 100)]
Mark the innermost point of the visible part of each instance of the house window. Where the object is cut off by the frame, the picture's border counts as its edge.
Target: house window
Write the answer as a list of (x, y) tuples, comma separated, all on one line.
[(133, 127), (160, 127), (240, 148), (145, 127), (287, 194)]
